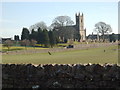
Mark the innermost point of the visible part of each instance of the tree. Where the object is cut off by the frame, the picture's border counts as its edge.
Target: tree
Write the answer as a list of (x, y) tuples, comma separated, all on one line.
[(45, 38), (33, 42), (33, 35), (16, 37), (25, 43), (40, 36), (62, 21), (61, 24), (102, 28), (56, 35), (52, 40), (8, 44), (41, 25), (25, 34)]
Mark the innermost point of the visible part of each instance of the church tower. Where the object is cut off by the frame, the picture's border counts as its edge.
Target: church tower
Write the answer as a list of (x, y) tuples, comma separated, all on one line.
[(80, 26)]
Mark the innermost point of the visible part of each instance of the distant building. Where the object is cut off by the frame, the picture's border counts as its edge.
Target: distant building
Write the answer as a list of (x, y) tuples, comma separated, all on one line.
[(4, 39), (117, 36), (76, 32), (92, 37), (108, 37)]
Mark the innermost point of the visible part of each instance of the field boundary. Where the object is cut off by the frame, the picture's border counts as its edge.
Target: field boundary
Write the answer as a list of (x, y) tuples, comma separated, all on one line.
[(76, 47)]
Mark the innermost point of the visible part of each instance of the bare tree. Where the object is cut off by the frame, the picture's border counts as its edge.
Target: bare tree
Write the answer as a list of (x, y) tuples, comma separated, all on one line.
[(33, 42), (62, 21), (62, 26), (41, 25), (25, 43), (8, 44), (102, 28)]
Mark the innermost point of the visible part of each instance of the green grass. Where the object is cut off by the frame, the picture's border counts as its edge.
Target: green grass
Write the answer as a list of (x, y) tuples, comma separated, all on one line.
[(93, 55), (59, 45)]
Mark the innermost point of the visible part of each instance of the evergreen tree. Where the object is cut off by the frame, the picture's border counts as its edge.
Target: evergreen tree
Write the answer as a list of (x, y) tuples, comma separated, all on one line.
[(25, 34), (40, 36), (33, 35), (15, 37), (52, 40), (57, 40), (45, 38)]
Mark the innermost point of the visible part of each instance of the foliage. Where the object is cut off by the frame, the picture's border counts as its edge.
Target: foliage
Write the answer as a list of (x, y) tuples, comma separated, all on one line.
[(33, 35), (40, 36), (45, 38), (52, 39), (25, 34), (16, 38)]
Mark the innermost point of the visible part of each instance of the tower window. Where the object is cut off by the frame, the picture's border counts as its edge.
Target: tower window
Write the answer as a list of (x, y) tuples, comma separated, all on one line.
[(81, 20)]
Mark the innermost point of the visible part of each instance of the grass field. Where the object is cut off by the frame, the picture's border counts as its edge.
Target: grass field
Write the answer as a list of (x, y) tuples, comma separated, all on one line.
[(13, 48), (59, 45), (93, 55)]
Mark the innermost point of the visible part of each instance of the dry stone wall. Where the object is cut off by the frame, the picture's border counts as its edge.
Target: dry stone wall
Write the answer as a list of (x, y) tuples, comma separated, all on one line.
[(60, 76)]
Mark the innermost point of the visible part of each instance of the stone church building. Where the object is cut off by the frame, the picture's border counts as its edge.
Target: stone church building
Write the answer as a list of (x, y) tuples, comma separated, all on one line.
[(75, 32)]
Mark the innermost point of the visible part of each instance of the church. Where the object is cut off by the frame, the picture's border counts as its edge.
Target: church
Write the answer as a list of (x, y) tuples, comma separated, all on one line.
[(80, 26), (75, 32)]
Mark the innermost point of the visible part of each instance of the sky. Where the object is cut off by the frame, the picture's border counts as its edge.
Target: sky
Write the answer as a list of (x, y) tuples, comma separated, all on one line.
[(16, 15)]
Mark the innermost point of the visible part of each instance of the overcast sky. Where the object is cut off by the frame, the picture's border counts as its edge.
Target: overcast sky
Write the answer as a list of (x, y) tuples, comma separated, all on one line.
[(16, 15)]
